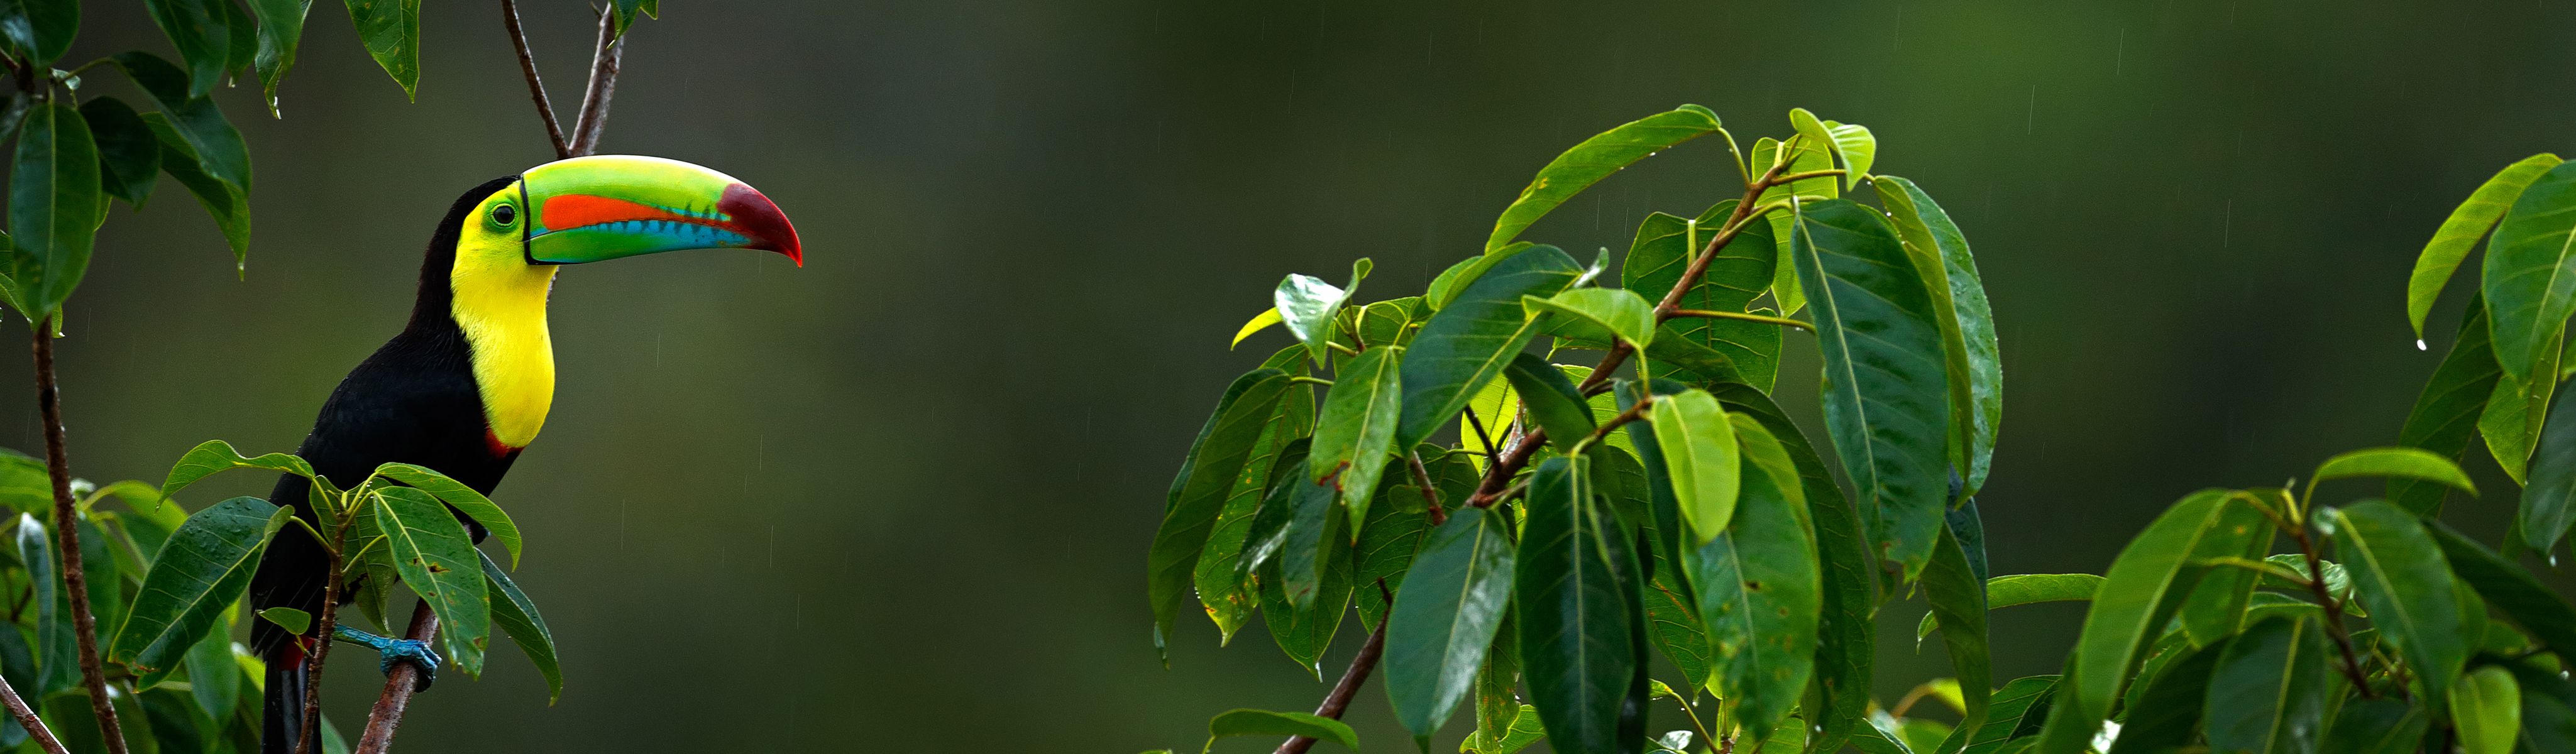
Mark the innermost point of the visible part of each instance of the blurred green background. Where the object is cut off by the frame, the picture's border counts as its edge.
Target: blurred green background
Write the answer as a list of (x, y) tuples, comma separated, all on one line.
[(898, 500)]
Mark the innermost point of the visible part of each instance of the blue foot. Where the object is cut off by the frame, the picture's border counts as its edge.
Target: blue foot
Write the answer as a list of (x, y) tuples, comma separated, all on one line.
[(391, 650)]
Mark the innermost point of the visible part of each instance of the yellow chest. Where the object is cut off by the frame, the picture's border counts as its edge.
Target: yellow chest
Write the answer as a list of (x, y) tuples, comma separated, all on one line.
[(502, 310)]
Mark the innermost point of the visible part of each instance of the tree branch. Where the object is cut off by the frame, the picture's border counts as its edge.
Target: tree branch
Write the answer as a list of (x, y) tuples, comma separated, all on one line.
[(2333, 607), (399, 685), (322, 631), (27, 718), (67, 532), (603, 85), (1339, 699), (536, 88), (1430, 497)]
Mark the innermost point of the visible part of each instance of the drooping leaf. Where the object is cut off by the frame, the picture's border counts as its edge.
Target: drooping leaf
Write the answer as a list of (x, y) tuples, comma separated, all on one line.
[(1445, 617), (1498, 704), (2512, 421), (2142, 590), (199, 30), (1208, 475), (2445, 417), (54, 641), (1622, 313), (1886, 391), (1311, 542), (1594, 159), (2486, 710), (1356, 435), (1303, 633), (42, 29), (129, 155), (1255, 722), (1218, 575), (2549, 502), (463, 498), (2214, 608), (1551, 400), (1758, 589), (391, 31), (517, 615), (1467, 343), (281, 29), (1664, 517), (1309, 306), (1971, 353), (1959, 598), (199, 573), (1743, 269), (2538, 610), (1702, 459), (2027, 589), (212, 141), (2467, 223), (214, 681), (436, 559), (227, 204), (2269, 690), (2399, 573), (215, 456), (54, 205), (2167, 714), (1573, 587)]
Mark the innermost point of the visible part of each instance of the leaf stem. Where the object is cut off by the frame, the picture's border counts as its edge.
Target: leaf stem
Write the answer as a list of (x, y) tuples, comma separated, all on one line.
[(323, 624), (2334, 608), (1311, 380), (1745, 316), (536, 87), (1430, 497), (58, 465)]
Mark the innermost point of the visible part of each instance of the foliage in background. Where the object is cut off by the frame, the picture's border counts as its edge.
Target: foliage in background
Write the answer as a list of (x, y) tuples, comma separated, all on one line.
[(1586, 520)]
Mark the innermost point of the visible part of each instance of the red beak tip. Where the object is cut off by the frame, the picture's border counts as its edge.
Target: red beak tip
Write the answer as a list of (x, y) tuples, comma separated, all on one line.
[(757, 216)]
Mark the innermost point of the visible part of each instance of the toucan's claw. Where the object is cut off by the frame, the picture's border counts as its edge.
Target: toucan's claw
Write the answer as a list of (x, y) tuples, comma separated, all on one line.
[(390, 651)]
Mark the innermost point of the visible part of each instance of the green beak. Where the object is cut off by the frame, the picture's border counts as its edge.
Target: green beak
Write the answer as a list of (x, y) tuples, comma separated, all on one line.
[(588, 209)]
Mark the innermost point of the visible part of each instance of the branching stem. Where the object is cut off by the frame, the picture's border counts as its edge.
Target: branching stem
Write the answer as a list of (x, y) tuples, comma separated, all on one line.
[(2333, 607), (1745, 316), (58, 465)]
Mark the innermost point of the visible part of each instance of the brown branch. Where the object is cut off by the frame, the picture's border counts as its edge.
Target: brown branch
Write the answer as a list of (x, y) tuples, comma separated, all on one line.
[(2334, 610), (322, 631), (1339, 699), (536, 87), (27, 719), (67, 532), (400, 683), (603, 85), (1430, 497)]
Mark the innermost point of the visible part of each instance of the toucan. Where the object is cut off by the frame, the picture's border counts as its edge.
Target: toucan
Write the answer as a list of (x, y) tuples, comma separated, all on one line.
[(466, 384)]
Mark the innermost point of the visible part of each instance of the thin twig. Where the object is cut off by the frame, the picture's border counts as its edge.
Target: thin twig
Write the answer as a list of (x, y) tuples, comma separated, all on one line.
[(536, 87), (1349, 686), (2334, 610), (67, 532), (1430, 497), (27, 719), (322, 629), (603, 85), (1745, 316), (400, 683)]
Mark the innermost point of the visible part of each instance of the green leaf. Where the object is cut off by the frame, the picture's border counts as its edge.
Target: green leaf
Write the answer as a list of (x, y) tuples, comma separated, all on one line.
[(2486, 710), (628, 9), (1309, 540), (2141, 591), (2375, 726), (1594, 159), (436, 559), (1303, 633), (1356, 436), (1218, 574), (211, 140), (391, 31), (1758, 586), (1664, 516), (1467, 343), (42, 28), (517, 615), (1499, 710), (2403, 462), (1445, 617), (2027, 589), (1453, 281), (1623, 313), (241, 49), (215, 456), (1672, 621), (1254, 722), (1972, 356), (54, 205), (293, 620), (1886, 391), (1552, 401), (199, 573), (2167, 714), (129, 155), (1574, 585), (1702, 459), (1741, 272), (1950, 584), (463, 498), (229, 205), (2512, 421), (1847, 630), (2215, 607), (281, 29), (2467, 223), (2399, 573), (2018, 709), (1389, 542), (2548, 505), (2445, 417), (1308, 307), (1805, 156), (2530, 275), (1208, 475), (1258, 323), (214, 680), (198, 29), (2268, 692), (1852, 143), (2538, 610), (54, 641), (1524, 729)]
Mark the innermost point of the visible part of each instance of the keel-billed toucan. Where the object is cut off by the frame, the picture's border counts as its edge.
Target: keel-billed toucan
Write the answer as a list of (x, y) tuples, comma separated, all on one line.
[(467, 383)]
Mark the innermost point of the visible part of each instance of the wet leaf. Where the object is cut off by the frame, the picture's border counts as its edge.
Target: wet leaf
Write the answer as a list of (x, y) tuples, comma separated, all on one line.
[(1972, 355), (2445, 417), (1356, 436), (1574, 589), (1662, 251), (517, 615), (1702, 459), (1445, 617), (1208, 475), (55, 206), (2143, 589), (391, 31), (1623, 313), (2549, 502), (1594, 159), (197, 576), (1886, 392), (2486, 710), (1309, 306), (2399, 573), (1254, 722), (2467, 223), (2026, 589), (2268, 692), (129, 155), (436, 559), (1758, 587), (1467, 343), (2538, 610), (199, 29)]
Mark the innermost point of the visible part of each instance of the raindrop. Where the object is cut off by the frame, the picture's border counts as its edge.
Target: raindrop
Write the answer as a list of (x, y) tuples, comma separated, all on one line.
[(2419, 345)]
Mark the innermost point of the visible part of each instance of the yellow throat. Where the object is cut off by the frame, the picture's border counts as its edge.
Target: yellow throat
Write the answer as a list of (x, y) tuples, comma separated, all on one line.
[(499, 300)]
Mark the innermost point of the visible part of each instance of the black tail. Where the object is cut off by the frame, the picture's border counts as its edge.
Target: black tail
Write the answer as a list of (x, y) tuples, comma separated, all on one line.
[(282, 720), (290, 575)]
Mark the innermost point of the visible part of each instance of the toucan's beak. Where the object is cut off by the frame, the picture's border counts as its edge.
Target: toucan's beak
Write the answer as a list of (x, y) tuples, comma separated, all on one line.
[(588, 209)]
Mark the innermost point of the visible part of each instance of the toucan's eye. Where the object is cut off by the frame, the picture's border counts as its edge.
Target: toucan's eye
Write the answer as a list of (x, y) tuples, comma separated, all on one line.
[(504, 215)]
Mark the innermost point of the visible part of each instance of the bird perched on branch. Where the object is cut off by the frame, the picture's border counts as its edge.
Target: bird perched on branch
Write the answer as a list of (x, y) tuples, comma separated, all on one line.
[(467, 383)]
